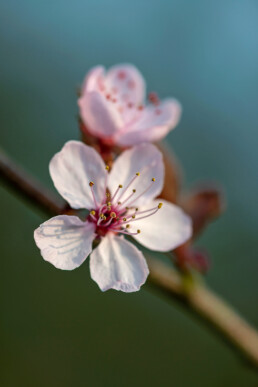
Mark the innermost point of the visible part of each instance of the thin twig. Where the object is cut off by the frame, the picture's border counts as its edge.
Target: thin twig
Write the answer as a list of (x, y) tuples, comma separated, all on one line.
[(209, 306), (197, 298)]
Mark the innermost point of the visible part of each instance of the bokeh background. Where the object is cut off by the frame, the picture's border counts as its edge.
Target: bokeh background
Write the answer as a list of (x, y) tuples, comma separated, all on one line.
[(57, 328)]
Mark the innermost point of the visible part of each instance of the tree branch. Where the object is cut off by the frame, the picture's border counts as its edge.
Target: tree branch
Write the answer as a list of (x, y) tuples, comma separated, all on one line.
[(197, 298)]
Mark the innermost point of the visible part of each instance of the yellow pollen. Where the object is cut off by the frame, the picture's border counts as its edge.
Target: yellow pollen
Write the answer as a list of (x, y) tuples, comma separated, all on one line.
[(102, 216), (113, 215), (128, 226), (137, 173), (107, 167), (120, 186), (109, 208), (160, 205), (153, 179), (109, 204), (133, 216), (134, 190), (91, 184), (138, 231), (108, 195), (92, 212), (124, 219)]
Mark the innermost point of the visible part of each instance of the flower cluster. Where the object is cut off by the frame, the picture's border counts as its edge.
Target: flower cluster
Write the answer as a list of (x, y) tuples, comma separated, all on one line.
[(121, 199)]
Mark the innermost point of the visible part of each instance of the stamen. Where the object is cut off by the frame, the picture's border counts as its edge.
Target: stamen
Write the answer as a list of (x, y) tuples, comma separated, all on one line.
[(129, 197), (118, 188), (151, 209), (129, 184), (91, 184), (101, 218), (124, 231), (92, 215), (152, 181), (108, 222), (133, 217), (106, 177)]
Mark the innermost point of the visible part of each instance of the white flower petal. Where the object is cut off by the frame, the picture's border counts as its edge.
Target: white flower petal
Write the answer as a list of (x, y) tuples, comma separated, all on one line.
[(65, 241), (127, 83), (99, 114), (118, 264), (146, 159), (153, 124), (164, 231), (93, 80), (73, 168)]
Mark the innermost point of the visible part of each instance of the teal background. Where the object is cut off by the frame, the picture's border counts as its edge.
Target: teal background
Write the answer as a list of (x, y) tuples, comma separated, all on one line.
[(57, 328)]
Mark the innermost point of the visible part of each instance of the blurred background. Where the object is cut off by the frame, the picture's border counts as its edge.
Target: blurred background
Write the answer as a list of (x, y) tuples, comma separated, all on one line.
[(57, 328)]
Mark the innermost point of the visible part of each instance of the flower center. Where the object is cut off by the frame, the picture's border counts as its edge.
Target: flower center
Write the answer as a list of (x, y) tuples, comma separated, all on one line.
[(120, 96), (116, 212)]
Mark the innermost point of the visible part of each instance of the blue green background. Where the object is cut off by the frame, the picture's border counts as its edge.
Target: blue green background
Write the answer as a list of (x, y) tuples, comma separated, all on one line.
[(57, 328)]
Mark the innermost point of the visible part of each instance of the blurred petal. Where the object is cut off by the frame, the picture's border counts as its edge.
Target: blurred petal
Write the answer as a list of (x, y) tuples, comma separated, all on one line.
[(99, 114), (65, 241), (145, 159), (72, 169), (153, 124), (118, 264), (127, 83), (203, 205), (93, 80), (165, 230)]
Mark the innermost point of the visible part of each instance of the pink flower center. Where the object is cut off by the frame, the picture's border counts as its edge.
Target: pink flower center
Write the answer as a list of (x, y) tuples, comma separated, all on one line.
[(116, 212)]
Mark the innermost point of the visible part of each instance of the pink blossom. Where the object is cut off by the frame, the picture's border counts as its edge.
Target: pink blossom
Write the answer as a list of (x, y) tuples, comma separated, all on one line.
[(120, 203), (112, 107)]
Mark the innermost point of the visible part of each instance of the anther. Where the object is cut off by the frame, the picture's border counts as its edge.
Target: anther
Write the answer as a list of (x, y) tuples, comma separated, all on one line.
[(128, 226), (136, 209), (153, 179), (124, 219), (119, 203), (138, 231), (133, 216), (137, 173), (91, 184), (109, 204), (134, 190), (160, 205), (108, 195), (107, 167), (93, 212), (120, 186), (113, 215)]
